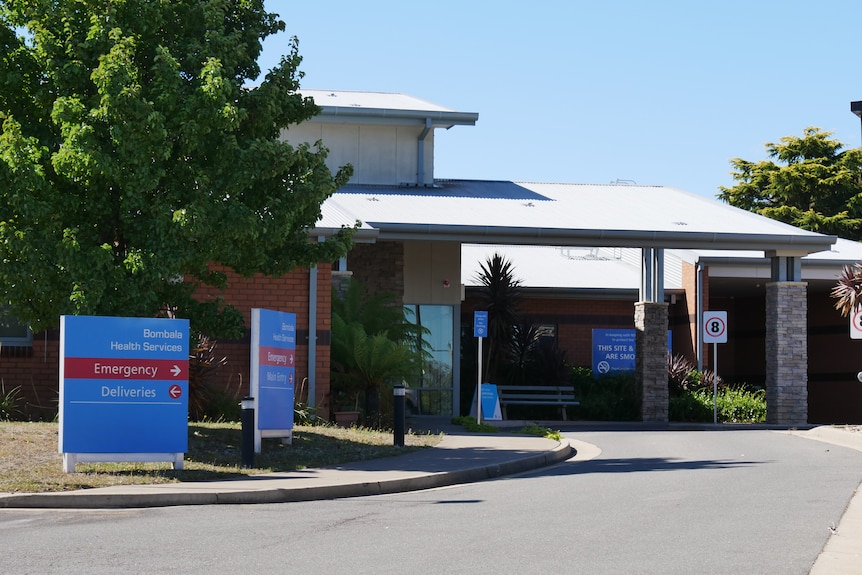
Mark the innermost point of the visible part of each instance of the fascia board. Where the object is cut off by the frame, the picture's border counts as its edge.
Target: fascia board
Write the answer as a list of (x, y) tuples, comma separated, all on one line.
[(801, 244), (439, 119)]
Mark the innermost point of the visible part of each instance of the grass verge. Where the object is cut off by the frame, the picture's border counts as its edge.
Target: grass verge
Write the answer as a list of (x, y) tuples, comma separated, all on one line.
[(29, 461)]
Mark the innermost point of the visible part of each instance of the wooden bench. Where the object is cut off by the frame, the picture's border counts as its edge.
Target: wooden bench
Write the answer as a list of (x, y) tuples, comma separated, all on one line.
[(552, 395)]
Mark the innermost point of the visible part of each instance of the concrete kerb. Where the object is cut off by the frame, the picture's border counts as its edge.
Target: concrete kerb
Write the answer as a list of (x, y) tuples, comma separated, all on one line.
[(281, 488)]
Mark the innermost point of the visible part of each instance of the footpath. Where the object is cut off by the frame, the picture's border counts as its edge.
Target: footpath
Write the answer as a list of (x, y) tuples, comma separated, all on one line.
[(460, 457), (843, 550)]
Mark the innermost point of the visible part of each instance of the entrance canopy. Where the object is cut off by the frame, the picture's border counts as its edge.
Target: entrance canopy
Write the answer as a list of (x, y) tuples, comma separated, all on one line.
[(585, 215)]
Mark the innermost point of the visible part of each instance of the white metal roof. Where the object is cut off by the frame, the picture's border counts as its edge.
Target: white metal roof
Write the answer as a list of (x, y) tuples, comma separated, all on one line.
[(553, 267), (619, 268), (384, 107), (607, 215), (379, 100), (331, 216)]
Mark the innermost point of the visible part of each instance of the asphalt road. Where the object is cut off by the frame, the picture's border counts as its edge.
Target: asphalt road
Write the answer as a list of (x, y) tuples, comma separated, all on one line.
[(651, 502)]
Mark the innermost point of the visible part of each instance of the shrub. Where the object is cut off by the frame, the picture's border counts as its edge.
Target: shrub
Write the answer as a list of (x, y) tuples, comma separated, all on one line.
[(682, 376), (470, 424), (222, 406), (734, 405), (741, 405), (374, 346), (10, 403), (541, 431), (693, 405), (607, 397), (206, 400)]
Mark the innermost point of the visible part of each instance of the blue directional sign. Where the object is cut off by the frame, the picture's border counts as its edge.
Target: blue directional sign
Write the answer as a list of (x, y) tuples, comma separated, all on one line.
[(480, 324), (273, 368), (123, 385)]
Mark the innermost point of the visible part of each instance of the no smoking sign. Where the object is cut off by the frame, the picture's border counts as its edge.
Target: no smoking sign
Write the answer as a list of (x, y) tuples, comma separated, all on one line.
[(715, 327)]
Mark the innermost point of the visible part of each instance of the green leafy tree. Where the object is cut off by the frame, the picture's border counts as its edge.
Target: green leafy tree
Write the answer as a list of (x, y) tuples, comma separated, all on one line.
[(135, 159), (811, 183)]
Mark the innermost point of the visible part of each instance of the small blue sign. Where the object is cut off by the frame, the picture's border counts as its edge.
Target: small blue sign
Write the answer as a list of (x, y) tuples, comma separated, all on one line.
[(491, 402), (480, 324), (273, 362), (123, 385)]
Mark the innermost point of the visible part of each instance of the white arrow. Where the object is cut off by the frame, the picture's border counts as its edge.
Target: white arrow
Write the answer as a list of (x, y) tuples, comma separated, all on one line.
[(176, 370)]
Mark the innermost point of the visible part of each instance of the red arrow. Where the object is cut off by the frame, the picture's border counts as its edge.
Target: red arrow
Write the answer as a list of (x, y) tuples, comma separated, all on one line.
[(175, 391)]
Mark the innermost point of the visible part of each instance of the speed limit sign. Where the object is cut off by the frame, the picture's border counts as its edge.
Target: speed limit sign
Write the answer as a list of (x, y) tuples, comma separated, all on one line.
[(715, 327)]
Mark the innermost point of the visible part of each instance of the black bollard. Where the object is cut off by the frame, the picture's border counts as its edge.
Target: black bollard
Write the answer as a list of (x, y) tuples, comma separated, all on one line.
[(398, 394), (247, 405)]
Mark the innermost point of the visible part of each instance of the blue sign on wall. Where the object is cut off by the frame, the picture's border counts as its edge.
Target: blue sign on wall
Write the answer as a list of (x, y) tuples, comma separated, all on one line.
[(613, 350), (273, 368), (123, 385)]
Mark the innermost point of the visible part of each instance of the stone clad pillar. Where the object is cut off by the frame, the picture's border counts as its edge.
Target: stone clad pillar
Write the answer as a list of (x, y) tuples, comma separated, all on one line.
[(786, 353), (651, 359)]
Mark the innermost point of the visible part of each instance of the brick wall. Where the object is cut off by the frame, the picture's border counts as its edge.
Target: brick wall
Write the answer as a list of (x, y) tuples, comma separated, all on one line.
[(289, 293), (36, 371), (378, 267)]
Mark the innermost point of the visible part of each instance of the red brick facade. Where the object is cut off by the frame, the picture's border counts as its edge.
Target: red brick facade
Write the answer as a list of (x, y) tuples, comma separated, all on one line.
[(834, 395), (288, 293), (378, 267), (36, 371)]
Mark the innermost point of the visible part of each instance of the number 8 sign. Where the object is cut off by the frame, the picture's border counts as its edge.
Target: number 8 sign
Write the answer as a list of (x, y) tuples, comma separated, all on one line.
[(856, 324), (715, 327)]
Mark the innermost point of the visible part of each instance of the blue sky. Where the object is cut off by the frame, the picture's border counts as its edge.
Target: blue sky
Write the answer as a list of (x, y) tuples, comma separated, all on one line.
[(663, 92)]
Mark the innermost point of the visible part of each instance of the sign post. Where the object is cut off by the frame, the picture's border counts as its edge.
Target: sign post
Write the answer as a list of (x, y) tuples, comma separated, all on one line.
[(715, 332), (273, 356), (480, 332), (123, 389)]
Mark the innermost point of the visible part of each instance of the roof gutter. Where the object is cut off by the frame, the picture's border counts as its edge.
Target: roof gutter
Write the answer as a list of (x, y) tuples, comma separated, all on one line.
[(360, 236), (771, 244), (718, 261), (439, 119)]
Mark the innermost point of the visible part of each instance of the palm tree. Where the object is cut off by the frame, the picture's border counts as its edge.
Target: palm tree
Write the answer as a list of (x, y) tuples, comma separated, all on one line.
[(373, 346), (499, 295), (848, 290)]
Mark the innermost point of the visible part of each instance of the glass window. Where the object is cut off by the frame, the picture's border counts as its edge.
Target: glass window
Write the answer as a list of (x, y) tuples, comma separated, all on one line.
[(12, 331), (431, 394)]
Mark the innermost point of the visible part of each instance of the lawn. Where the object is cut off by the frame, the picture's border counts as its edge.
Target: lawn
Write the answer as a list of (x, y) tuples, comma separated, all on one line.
[(30, 462)]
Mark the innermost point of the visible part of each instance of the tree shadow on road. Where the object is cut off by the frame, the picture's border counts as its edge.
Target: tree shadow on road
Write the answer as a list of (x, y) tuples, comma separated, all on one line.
[(643, 464)]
